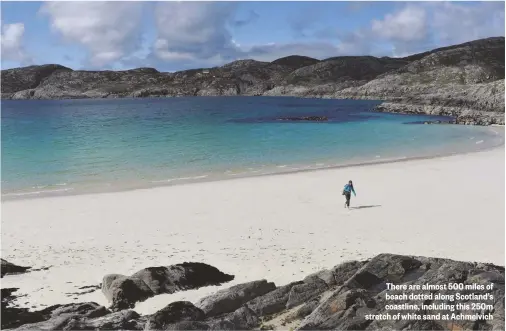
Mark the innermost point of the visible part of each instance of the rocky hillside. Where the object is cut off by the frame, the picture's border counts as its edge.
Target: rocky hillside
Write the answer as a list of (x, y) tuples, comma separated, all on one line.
[(355, 295), (462, 80)]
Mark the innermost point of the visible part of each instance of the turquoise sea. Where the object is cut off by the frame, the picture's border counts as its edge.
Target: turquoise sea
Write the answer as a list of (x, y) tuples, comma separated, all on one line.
[(76, 146)]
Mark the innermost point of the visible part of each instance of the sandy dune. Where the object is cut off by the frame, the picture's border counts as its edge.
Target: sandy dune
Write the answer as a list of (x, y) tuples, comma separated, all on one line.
[(279, 227)]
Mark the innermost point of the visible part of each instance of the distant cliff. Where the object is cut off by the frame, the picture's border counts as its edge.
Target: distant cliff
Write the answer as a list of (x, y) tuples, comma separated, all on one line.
[(465, 81)]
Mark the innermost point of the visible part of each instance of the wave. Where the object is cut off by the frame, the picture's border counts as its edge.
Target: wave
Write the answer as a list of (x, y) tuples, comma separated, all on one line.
[(50, 185), (38, 192), (178, 179)]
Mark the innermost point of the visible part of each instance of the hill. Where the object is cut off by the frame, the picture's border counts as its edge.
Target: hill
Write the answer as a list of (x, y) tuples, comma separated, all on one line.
[(460, 79)]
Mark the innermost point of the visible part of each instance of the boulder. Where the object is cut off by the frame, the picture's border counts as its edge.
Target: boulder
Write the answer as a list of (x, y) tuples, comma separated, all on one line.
[(185, 316), (344, 271), (272, 302), (307, 308), (175, 312), (190, 325), (229, 300), (327, 276), (310, 288), (87, 309), (241, 319), (363, 294), (342, 298), (121, 320), (76, 316), (10, 268), (13, 317), (123, 292)]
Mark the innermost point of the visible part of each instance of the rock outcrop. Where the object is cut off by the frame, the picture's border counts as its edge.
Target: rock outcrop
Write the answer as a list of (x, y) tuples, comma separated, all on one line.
[(83, 316), (12, 316), (346, 297), (176, 312), (305, 118), (466, 80), (481, 104), (10, 268), (364, 294), (228, 300), (123, 292)]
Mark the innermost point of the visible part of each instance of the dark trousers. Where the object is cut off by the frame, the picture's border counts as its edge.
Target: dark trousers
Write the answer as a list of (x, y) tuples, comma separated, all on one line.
[(348, 197)]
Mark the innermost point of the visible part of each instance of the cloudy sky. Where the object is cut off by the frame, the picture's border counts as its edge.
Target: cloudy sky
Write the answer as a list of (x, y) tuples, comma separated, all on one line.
[(180, 35)]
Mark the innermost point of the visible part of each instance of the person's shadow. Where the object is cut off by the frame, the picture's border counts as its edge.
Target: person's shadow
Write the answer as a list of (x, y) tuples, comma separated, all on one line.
[(364, 207)]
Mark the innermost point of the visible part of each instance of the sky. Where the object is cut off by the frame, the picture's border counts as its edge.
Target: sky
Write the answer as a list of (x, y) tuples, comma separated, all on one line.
[(171, 36)]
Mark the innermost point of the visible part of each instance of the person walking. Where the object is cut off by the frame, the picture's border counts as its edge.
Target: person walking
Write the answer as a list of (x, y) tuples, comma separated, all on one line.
[(348, 188)]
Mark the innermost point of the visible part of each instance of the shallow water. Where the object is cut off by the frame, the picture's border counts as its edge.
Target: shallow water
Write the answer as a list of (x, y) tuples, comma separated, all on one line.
[(76, 146)]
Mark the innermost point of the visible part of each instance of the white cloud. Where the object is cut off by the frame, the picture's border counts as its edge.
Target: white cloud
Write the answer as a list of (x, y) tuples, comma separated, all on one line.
[(403, 31), (455, 23), (406, 25), (359, 42), (420, 27), (406, 31), (108, 30), (12, 42), (190, 31), (198, 34), (195, 34)]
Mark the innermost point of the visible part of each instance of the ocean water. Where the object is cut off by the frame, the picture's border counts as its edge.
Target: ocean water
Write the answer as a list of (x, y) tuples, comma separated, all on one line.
[(77, 146)]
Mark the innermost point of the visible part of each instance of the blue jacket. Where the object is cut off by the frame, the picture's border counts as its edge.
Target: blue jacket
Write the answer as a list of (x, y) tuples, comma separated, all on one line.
[(349, 188)]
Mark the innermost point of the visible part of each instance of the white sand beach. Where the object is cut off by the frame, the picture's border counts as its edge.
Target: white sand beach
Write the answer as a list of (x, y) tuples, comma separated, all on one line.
[(280, 227)]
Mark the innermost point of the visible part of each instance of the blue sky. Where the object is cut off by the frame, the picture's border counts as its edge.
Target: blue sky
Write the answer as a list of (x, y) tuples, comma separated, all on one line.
[(180, 35)]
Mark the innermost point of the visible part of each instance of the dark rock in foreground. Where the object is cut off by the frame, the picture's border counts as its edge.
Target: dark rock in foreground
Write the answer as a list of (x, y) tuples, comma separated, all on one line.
[(307, 118), (342, 298), (13, 317), (10, 268), (272, 302), (363, 294), (123, 292), (179, 311), (85, 316), (228, 300)]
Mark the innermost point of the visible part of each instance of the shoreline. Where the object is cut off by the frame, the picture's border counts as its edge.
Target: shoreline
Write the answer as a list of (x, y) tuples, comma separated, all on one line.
[(279, 228), (207, 178)]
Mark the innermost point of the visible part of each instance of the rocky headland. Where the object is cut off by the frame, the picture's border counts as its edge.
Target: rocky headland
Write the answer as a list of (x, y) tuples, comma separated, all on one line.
[(465, 81), (343, 298)]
